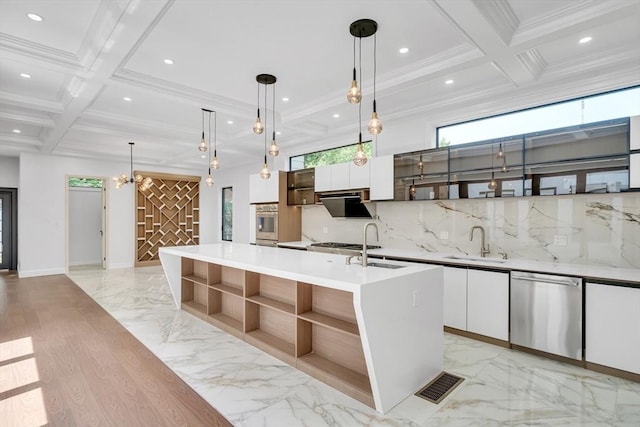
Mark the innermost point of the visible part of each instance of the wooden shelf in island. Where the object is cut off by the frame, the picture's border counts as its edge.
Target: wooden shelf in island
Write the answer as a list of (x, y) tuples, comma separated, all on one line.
[(331, 322), (227, 289), (346, 380)]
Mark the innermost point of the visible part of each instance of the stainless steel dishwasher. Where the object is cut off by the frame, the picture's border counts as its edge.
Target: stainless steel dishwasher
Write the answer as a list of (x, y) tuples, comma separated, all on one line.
[(546, 313)]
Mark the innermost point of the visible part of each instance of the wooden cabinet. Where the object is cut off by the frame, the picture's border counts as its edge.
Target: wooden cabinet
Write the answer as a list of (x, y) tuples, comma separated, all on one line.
[(264, 190), (612, 326), (300, 187), (310, 327), (488, 303), (477, 301), (381, 178)]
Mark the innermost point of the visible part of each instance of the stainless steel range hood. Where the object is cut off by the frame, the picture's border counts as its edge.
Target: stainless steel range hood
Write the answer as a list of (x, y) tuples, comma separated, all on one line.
[(346, 205)]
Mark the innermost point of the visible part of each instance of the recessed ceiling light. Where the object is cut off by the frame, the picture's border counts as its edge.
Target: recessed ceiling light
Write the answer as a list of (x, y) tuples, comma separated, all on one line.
[(335, 116), (25, 75), (203, 156), (586, 39), (168, 61), (35, 17), (229, 122), (448, 82), (403, 50), (126, 98), (285, 99), (17, 131), (278, 133)]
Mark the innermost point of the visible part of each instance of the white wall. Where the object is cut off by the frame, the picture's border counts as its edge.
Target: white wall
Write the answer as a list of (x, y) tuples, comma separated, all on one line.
[(41, 212), (9, 172), (85, 223)]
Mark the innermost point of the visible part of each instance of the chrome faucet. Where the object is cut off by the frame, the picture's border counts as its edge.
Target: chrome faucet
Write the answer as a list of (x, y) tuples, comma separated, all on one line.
[(364, 245), (483, 250)]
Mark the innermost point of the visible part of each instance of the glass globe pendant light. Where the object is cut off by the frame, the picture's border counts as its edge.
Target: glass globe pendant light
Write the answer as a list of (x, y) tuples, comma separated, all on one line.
[(143, 183), (258, 127), (214, 163), (209, 180), (354, 95), (266, 79), (492, 184), (203, 144), (375, 125), (273, 148)]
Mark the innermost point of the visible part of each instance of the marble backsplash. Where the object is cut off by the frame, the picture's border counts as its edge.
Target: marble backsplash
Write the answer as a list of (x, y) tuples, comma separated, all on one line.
[(579, 229)]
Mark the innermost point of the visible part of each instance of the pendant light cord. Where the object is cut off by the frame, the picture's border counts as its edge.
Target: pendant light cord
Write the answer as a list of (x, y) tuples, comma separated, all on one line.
[(209, 137), (215, 136), (131, 162), (375, 66), (360, 78), (273, 112), (265, 123)]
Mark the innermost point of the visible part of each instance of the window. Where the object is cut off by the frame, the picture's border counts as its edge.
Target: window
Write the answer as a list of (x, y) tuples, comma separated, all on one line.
[(227, 213), (594, 108), (327, 157), (85, 182)]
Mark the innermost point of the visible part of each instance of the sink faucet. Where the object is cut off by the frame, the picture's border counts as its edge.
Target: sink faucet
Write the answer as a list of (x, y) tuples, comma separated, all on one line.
[(364, 245), (483, 250)]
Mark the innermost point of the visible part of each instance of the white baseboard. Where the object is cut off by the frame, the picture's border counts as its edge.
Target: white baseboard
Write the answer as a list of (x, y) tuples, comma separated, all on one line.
[(115, 266), (35, 273)]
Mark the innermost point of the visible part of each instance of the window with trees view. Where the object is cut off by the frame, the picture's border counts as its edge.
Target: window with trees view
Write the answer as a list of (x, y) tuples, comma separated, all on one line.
[(327, 157), (227, 213), (85, 182)]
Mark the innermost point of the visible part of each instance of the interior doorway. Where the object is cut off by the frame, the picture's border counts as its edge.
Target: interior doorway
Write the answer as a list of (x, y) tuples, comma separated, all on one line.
[(86, 223), (8, 229)]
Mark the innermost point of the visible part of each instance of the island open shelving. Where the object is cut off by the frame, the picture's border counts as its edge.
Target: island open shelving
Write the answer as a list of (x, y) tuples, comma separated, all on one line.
[(317, 321)]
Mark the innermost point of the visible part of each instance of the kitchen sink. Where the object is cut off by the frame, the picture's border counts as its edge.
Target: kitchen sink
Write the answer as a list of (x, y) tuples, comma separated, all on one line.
[(383, 265), (477, 259)]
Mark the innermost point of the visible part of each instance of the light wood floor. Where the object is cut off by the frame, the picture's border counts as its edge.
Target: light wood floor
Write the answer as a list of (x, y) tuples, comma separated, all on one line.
[(65, 361)]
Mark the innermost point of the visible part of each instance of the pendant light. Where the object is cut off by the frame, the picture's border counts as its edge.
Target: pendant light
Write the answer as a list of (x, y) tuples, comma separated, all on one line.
[(203, 144), (258, 127), (143, 183), (500, 154), (214, 163), (375, 125), (412, 190), (209, 180), (421, 167), (265, 79), (361, 28), (492, 184), (354, 95), (273, 148)]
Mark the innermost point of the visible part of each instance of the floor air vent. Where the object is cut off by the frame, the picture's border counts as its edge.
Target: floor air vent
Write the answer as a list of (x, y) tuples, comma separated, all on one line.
[(440, 387)]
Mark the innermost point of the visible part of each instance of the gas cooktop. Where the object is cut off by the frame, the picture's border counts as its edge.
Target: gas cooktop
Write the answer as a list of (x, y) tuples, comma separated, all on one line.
[(339, 248)]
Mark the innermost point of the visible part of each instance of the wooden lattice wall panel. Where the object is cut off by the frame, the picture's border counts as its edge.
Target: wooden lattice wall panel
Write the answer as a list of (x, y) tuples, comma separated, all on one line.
[(167, 214)]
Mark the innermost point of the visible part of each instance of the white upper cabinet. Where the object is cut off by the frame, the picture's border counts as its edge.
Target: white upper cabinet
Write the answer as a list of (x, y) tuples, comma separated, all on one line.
[(381, 178), (341, 176), (264, 190), (634, 133), (322, 179), (634, 161)]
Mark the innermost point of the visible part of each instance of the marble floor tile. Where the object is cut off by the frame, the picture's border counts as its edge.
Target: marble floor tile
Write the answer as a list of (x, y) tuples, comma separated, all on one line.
[(502, 387)]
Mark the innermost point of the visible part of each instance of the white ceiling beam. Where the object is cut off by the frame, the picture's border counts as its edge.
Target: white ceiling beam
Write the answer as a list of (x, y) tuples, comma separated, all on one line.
[(126, 31)]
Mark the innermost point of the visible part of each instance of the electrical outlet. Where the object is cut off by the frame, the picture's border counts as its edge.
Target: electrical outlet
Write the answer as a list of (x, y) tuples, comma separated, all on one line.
[(444, 235), (325, 230), (559, 240)]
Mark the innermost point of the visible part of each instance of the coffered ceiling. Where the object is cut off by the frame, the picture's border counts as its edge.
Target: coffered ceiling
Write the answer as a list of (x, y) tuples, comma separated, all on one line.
[(86, 56)]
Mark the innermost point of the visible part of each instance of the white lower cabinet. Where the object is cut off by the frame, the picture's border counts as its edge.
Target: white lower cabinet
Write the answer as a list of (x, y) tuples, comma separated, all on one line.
[(455, 298), (612, 326), (477, 301), (488, 303)]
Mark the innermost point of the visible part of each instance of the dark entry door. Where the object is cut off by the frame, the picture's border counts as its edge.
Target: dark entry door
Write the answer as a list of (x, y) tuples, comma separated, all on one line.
[(8, 230)]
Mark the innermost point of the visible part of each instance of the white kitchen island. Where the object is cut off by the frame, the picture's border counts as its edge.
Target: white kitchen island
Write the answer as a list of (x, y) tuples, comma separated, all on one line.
[(373, 333)]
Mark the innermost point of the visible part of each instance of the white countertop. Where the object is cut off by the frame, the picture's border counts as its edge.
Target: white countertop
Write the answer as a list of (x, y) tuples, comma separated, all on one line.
[(323, 269), (588, 271)]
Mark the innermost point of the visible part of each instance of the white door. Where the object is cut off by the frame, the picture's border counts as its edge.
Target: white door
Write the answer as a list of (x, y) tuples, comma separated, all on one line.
[(86, 226)]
